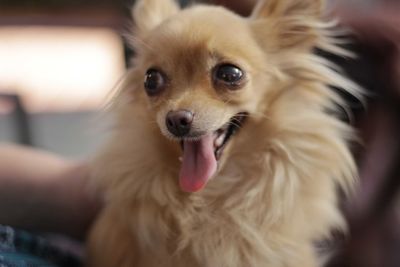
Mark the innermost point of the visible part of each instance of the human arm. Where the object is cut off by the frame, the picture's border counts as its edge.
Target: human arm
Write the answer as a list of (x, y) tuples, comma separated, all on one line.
[(41, 191)]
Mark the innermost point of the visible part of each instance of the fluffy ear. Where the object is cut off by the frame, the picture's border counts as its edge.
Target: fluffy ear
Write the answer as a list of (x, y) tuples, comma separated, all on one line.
[(280, 8), (148, 14), (292, 21)]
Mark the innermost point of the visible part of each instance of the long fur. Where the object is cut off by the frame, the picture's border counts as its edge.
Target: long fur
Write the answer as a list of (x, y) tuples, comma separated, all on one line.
[(275, 192)]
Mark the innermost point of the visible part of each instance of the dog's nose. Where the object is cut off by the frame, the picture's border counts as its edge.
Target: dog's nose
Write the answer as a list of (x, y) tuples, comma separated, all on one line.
[(179, 122)]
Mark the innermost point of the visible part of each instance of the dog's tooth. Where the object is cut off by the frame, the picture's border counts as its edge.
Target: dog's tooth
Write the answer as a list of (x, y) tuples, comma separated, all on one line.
[(180, 159), (218, 142)]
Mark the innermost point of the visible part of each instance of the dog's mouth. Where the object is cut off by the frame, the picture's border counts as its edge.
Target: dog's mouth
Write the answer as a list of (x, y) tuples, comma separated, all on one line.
[(201, 154)]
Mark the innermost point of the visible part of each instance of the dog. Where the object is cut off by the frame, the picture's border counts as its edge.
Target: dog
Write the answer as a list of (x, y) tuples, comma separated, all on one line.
[(227, 150)]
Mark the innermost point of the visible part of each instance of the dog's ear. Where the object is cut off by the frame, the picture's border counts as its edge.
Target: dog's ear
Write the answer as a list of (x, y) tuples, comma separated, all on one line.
[(281, 8), (148, 14), (291, 22)]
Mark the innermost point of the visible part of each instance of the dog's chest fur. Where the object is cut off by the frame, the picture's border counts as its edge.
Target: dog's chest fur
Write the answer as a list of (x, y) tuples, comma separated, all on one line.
[(238, 220)]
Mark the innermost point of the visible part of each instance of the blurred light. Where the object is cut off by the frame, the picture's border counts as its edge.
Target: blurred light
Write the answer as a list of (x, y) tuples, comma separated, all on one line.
[(60, 68)]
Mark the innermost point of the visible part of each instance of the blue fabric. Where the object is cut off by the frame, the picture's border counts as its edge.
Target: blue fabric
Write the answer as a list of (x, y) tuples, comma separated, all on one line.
[(22, 249)]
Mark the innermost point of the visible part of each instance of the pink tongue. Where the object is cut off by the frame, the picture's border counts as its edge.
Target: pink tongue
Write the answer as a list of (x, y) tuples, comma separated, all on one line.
[(198, 164)]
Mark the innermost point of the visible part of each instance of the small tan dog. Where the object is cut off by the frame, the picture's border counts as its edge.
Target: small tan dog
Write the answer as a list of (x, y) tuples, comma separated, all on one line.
[(226, 151)]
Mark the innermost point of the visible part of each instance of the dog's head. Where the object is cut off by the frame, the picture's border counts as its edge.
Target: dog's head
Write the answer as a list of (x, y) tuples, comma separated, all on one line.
[(206, 69)]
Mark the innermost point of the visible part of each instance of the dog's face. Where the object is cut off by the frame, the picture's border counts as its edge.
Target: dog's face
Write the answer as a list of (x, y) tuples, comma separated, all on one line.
[(206, 70)]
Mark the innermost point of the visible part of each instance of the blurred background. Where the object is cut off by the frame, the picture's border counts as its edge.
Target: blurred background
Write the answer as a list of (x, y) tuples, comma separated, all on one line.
[(59, 59)]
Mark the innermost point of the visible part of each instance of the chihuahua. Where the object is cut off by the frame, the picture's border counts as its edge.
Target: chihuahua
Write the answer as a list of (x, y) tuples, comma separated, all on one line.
[(227, 149)]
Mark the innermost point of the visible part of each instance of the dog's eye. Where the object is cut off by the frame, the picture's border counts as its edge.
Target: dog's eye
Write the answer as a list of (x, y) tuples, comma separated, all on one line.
[(229, 75), (154, 82)]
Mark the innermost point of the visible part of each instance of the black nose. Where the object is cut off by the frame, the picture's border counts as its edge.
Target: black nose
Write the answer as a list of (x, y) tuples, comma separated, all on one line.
[(179, 122)]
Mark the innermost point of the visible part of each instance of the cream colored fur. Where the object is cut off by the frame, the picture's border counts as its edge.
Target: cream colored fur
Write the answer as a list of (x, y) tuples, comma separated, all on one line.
[(274, 194)]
